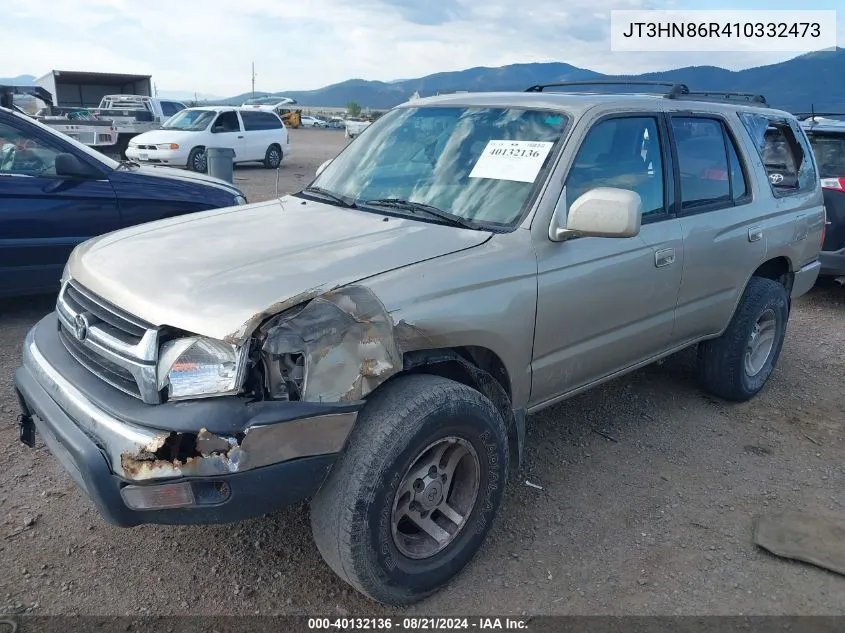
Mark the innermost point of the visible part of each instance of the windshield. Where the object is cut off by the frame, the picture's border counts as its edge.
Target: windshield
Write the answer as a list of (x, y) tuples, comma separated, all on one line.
[(829, 149), (477, 163), (189, 120)]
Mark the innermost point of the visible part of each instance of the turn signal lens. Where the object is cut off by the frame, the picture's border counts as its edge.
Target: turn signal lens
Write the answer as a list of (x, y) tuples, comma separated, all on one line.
[(158, 497)]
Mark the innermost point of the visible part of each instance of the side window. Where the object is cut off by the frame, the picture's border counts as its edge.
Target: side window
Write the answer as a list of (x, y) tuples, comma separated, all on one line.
[(270, 121), (784, 152), (23, 154), (251, 121), (621, 152), (702, 161), (227, 122)]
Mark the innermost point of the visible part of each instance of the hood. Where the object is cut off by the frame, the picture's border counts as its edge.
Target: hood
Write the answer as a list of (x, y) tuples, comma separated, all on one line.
[(164, 136), (218, 273), (183, 175)]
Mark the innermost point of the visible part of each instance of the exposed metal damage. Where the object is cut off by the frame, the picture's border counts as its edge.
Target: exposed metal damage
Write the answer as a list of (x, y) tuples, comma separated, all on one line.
[(205, 454), (337, 348)]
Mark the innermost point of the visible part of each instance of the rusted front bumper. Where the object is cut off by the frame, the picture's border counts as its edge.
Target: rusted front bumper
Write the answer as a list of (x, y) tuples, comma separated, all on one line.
[(240, 458)]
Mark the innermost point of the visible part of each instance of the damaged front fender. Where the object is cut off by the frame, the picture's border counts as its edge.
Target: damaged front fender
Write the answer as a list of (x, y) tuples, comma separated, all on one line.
[(338, 348)]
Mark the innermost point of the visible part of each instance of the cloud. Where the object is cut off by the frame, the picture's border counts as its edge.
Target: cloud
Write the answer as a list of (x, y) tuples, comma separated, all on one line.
[(209, 45)]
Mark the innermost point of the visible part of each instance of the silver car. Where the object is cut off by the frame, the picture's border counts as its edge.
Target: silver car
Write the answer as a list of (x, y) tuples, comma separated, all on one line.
[(374, 342)]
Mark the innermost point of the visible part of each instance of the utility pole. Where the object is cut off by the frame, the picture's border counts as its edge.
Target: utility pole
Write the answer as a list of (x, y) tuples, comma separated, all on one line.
[(253, 80)]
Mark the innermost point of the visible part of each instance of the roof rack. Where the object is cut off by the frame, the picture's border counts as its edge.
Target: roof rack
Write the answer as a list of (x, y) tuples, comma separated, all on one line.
[(718, 96), (674, 88)]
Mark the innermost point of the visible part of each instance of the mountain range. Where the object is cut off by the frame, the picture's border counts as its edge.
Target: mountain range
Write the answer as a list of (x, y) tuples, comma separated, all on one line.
[(815, 80)]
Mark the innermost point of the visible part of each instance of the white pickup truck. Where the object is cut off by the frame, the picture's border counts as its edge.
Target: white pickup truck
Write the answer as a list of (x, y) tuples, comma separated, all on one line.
[(355, 125), (135, 114)]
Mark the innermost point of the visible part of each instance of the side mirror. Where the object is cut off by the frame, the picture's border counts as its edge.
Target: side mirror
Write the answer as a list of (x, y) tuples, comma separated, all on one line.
[(70, 166), (600, 212), (322, 167), (216, 129)]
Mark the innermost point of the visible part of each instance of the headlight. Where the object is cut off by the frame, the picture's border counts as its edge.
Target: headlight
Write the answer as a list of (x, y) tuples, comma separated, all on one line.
[(133, 144), (167, 146), (195, 367), (240, 199)]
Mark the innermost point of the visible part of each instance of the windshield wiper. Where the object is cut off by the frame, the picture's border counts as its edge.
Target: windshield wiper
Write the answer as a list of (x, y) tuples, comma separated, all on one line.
[(128, 164), (325, 193), (415, 207)]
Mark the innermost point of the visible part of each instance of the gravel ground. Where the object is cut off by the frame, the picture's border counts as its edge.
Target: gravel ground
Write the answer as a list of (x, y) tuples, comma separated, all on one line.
[(649, 489)]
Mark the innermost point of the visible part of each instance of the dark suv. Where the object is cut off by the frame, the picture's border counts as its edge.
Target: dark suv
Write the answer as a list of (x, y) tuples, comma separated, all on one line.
[(826, 132)]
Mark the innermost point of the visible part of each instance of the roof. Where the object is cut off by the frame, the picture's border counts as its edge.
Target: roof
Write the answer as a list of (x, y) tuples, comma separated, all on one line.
[(578, 103), (75, 76), (825, 123)]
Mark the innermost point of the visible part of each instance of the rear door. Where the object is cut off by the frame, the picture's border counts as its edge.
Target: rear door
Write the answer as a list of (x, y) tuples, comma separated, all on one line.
[(722, 219), (42, 215)]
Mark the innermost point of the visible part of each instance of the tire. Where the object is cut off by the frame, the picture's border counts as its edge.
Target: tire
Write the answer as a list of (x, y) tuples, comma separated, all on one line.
[(352, 517), (197, 160), (273, 157), (726, 365)]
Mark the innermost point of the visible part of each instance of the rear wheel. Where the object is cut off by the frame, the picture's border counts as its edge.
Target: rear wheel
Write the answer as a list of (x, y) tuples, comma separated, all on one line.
[(737, 365), (198, 160), (412, 500), (273, 157)]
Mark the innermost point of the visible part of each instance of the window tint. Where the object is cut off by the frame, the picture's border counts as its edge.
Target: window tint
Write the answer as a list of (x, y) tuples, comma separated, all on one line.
[(169, 108), (228, 121), (621, 152), (702, 161), (260, 121), (23, 154), (784, 151)]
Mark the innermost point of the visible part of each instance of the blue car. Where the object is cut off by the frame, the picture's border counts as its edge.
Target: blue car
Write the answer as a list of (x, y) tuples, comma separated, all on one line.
[(56, 192)]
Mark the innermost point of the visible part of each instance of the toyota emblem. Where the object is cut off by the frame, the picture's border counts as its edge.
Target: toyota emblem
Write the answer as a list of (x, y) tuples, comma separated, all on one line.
[(80, 327), (776, 179)]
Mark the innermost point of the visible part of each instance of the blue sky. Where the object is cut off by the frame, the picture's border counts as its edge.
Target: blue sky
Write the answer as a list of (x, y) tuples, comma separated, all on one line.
[(208, 45)]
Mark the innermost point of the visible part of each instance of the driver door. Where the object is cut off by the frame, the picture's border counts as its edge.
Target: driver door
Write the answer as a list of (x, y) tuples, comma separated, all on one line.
[(607, 304), (228, 132), (43, 216)]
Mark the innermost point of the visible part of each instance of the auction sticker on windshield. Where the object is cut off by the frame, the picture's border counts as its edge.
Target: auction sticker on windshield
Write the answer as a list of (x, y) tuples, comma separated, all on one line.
[(511, 160)]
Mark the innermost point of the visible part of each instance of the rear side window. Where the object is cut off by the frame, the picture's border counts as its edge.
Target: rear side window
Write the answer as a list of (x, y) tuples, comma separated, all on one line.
[(254, 121), (785, 153), (169, 108), (709, 166)]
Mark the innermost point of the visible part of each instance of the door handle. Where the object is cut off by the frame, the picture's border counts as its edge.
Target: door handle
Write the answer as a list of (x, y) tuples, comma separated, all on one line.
[(755, 234), (664, 257), (240, 137)]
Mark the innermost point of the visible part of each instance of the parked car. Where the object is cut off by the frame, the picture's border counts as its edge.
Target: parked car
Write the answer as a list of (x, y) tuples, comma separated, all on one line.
[(133, 115), (827, 138), (336, 123), (374, 342), (255, 135), (311, 121), (355, 125), (56, 192)]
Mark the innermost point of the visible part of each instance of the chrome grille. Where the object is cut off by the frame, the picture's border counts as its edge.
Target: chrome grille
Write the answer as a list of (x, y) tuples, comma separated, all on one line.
[(115, 346)]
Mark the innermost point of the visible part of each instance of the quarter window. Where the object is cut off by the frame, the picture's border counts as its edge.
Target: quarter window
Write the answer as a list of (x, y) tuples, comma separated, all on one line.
[(709, 167), (260, 121), (784, 151), (621, 152)]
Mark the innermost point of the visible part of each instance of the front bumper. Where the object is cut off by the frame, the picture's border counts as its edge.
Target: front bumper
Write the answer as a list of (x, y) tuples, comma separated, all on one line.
[(265, 455), (171, 157)]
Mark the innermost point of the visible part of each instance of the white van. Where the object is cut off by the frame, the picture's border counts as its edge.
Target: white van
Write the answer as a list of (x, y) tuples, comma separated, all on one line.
[(255, 135)]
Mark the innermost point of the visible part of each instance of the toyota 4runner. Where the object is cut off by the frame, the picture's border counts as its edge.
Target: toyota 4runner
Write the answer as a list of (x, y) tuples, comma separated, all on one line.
[(374, 342)]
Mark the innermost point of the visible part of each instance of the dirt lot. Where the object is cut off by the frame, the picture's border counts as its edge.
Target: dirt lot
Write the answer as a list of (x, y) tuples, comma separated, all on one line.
[(649, 492)]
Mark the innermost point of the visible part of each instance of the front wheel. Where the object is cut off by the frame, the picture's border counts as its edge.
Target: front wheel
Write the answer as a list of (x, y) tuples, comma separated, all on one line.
[(198, 160), (737, 365), (273, 157), (412, 499)]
